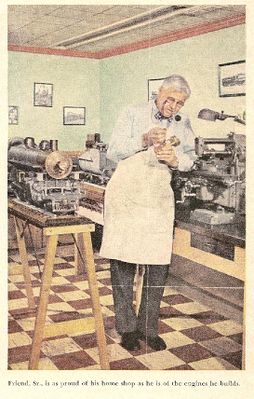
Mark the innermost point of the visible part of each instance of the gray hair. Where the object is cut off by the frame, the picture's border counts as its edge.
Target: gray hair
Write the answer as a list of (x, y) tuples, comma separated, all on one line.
[(178, 83)]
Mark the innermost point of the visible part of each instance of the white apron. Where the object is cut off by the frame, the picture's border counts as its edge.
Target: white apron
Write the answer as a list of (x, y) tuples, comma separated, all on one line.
[(139, 212)]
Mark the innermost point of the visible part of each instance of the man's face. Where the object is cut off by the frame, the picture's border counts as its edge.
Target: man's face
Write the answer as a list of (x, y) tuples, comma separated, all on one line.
[(169, 101)]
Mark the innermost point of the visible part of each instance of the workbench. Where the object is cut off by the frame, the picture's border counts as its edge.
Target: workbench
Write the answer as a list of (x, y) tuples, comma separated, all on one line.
[(219, 247), (53, 226)]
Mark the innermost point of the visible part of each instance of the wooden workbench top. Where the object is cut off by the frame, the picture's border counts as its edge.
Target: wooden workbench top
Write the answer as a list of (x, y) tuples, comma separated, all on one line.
[(41, 218)]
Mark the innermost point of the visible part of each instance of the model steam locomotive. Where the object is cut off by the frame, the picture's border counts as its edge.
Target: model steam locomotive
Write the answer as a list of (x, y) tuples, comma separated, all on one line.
[(43, 176), (54, 180)]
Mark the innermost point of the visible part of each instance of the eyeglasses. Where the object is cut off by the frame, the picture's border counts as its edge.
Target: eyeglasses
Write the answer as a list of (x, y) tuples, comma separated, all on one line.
[(173, 101)]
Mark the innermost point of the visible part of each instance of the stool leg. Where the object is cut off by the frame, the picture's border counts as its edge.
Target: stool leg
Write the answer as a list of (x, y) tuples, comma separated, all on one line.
[(92, 281), (76, 255), (43, 303), (78, 261), (24, 261)]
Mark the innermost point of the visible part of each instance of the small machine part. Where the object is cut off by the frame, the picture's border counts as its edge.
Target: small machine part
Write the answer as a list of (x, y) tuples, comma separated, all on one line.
[(97, 168), (43, 176), (97, 171)]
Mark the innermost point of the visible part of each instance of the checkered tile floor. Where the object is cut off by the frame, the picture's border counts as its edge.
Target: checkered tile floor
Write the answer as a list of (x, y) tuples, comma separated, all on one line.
[(197, 338)]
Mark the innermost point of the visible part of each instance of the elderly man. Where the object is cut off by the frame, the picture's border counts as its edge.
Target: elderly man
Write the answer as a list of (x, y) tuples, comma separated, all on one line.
[(139, 206)]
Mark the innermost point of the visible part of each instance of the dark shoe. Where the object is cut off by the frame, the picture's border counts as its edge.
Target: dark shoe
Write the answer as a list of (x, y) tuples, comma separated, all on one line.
[(156, 343), (130, 341)]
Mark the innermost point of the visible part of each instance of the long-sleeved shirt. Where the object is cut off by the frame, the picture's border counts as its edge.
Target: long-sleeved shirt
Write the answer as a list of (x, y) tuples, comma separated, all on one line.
[(136, 120)]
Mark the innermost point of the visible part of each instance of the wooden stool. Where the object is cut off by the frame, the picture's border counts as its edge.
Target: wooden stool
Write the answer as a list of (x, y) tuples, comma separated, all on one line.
[(24, 262), (82, 228)]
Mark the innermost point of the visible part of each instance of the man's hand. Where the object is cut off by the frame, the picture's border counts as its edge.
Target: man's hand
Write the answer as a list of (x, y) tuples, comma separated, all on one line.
[(166, 153), (155, 136), (163, 149)]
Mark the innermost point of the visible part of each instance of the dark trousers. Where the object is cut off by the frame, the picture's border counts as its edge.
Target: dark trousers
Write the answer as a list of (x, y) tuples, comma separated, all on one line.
[(122, 278)]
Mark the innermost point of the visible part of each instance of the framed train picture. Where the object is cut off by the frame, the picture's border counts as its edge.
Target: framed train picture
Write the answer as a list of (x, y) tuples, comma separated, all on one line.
[(232, 79), (74, 115)]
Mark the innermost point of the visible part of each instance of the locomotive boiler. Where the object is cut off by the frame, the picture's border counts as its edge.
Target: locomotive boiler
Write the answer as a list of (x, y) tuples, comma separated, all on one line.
[(43, 176)]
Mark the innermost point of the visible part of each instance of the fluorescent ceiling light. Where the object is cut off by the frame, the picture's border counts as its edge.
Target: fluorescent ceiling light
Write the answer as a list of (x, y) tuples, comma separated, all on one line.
[(140, 20)]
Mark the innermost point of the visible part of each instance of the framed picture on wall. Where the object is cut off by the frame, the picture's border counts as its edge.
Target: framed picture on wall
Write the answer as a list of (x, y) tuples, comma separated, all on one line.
[(13, 115), (153, 87), (43, 94), (232, 79), (74, 115)]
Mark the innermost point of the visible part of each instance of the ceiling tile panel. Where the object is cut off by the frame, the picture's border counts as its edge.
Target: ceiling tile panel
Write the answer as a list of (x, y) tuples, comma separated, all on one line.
[(44, 25), (52, 38), (178, 23), (48, 39), (128, 11), (32, 10), (19, 20), (219, 14), (78, 12)]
